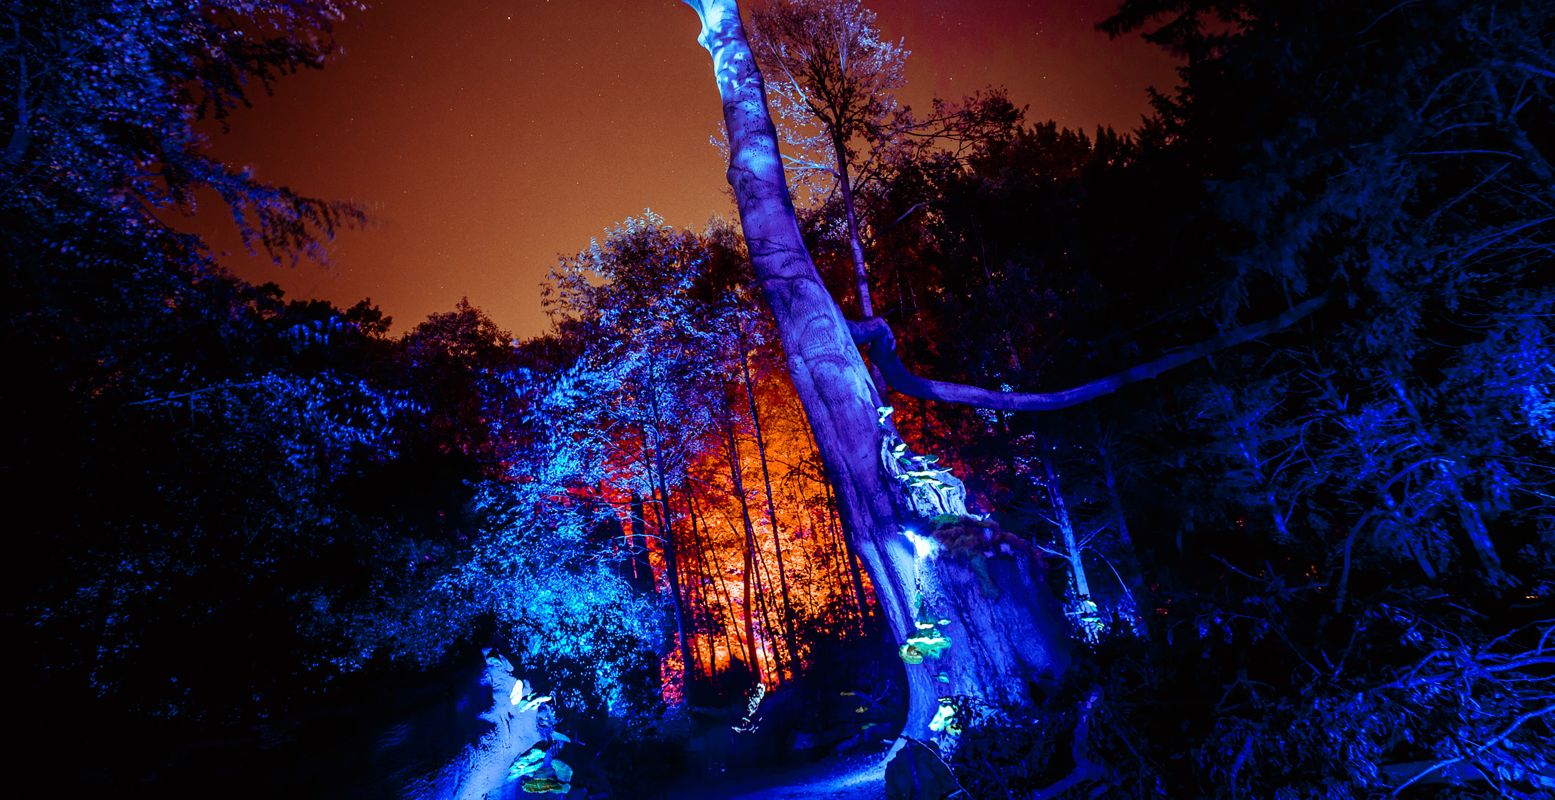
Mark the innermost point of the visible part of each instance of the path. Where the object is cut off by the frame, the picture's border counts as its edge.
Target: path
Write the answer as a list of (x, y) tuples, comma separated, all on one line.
[(852, 778)]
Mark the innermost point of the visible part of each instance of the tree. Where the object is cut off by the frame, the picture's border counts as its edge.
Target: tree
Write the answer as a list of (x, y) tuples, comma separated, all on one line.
[(102, 104), (835, 73), (1010, 633)]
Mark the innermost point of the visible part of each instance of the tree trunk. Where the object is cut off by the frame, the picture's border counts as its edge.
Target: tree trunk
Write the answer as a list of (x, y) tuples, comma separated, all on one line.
[(642, 570), (772, 517), (480, 769), (1055, 493), (672, 573), (1006, 642), (851, 561), (667, 528), (855, 243), (1133, 572), (711, 549), (749, 577), (697, 583), (781, 661)]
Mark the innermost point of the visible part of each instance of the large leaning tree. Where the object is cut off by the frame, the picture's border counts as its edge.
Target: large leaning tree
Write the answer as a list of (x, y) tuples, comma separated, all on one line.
[(1006, 636)]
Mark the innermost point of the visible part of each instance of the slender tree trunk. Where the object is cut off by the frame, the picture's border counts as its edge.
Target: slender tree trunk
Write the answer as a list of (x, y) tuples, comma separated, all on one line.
[(1132, 572), (856, 247), (728, 600), (850, 560), (732, 449), (782, 665), (758, 651), (672, 573), (1055, 493), (667, 526), (855, 242), (772, 516), (642, 569), (697, 584), (1006, 644), (780, 659)]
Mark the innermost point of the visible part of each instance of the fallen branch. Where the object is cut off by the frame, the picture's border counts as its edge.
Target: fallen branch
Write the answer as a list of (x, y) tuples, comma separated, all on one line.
[(1503, 736)]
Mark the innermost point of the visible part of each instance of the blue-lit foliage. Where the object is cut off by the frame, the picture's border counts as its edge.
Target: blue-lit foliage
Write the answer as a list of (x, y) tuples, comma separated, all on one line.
[(1353, 481), (1301, 522), (573, 623), (104, 104), (235, 503)]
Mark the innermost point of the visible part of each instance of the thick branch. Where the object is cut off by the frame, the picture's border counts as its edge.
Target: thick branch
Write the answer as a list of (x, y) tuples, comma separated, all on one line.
[(875, 335)]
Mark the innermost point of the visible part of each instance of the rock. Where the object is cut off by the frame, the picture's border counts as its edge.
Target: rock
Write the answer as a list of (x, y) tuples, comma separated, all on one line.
[(917, 772)]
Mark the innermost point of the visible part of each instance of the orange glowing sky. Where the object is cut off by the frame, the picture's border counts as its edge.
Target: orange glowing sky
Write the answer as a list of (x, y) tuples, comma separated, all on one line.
[(485, 137)]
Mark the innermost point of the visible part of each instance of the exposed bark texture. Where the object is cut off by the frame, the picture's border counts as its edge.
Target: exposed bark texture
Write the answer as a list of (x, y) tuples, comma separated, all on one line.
[(1004, 645), (875, 334)]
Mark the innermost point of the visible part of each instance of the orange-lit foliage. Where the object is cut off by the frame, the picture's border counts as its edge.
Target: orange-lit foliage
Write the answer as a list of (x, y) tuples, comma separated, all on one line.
[(697, 440), (826, 585)]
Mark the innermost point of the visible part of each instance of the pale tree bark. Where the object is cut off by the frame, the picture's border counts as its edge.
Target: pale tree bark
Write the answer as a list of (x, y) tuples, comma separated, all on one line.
[(1055, 493), (855, 241), (1005, 645)]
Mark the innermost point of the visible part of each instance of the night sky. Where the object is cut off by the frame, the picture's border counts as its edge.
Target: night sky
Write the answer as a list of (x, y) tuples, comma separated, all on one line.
[(484, 138)]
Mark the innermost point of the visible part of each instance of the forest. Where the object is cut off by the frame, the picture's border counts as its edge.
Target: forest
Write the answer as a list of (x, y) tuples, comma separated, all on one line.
[(963, 455)]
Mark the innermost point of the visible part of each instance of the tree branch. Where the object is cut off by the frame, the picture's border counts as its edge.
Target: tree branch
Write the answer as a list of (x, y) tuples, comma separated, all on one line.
[(875, 336)]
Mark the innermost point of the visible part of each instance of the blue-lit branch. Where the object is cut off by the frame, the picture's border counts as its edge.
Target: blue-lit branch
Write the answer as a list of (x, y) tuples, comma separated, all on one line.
[(875, 335)]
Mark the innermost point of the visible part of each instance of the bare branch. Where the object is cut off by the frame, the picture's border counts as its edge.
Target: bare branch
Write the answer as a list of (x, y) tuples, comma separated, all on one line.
[(875, 336)]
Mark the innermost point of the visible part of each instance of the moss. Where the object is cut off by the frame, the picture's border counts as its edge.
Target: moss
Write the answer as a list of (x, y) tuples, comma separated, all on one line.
[(969, 536), (977, 541)]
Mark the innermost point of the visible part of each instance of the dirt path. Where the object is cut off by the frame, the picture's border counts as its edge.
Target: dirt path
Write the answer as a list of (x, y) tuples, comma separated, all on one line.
[(857, 778)]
